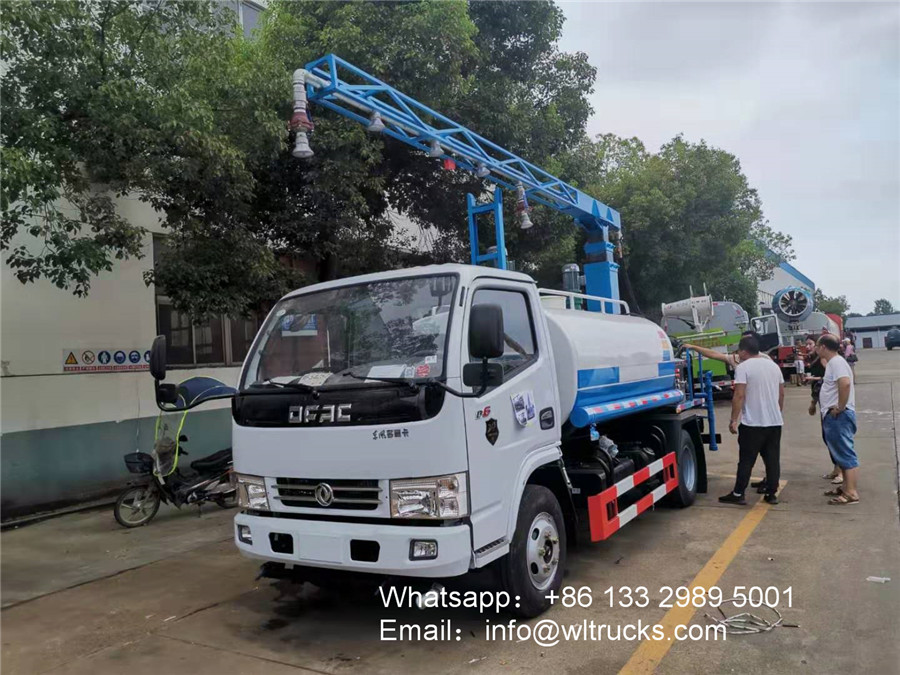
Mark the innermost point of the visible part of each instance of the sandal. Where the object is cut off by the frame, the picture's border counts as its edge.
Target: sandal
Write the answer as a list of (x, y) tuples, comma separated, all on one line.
[(842, 500), (831, 475), (834, 493), (838, 480)]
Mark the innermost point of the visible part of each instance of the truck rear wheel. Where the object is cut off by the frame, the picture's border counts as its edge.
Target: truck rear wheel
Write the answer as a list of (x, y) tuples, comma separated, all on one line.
[(536, 560), (686, 459)]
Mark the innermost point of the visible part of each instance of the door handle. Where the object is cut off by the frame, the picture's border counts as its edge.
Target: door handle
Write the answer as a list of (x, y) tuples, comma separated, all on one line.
[(547, 418)]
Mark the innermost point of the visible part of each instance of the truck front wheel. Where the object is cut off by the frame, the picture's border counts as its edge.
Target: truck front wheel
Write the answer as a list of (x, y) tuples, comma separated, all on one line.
[(536, 560)]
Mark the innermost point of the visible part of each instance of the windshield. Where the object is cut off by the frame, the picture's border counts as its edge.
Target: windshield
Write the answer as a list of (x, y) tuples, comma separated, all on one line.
[(385, 329)]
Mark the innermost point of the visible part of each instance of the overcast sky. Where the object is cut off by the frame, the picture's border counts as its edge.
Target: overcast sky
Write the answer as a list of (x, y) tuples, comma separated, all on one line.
[(806, 95)]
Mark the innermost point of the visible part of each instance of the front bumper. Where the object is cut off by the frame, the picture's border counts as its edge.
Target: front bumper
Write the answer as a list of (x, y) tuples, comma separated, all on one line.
[(319, 543)]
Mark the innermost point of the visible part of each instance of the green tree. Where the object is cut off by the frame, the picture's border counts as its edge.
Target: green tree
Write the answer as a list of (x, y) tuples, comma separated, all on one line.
[(689, 217), (190, 115), (150, 100), (836, 305), (882, 306), (495, 66)]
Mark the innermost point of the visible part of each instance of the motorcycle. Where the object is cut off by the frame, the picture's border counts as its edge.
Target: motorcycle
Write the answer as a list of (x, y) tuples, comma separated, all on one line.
[(161, 479)]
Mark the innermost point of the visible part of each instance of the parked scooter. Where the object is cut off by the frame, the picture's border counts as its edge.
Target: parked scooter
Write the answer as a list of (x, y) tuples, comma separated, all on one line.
[(163, 480)]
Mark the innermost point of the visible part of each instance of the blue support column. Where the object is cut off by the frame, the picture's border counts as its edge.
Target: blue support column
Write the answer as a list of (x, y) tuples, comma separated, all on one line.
[(495, 207), (601, 274), (710, 409), (471, 205)]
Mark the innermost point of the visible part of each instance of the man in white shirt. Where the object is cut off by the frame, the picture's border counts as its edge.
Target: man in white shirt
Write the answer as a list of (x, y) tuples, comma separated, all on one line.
[(837, 401), (756, 418)]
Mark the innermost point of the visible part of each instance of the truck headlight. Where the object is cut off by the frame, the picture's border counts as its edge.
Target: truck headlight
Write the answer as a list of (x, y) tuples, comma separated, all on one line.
[(251, 491), (434, 497)]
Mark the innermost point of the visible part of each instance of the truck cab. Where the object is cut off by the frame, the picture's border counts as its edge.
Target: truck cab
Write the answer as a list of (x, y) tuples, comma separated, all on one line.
[(354, 459)]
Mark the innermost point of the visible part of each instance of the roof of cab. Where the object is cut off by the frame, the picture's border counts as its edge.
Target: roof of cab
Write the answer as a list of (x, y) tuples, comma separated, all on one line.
[(467, 274)]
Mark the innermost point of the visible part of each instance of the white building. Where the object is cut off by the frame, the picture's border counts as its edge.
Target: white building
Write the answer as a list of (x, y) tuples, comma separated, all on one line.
[(64, 428), (869, 331)]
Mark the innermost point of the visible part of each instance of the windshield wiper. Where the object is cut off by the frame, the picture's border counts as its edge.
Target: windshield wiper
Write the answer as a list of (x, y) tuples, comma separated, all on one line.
[(388, 380), (299, 386), (416, 385)]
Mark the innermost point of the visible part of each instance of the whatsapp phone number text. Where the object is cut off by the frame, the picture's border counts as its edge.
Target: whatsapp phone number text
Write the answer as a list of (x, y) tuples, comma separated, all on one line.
[(669, 596)]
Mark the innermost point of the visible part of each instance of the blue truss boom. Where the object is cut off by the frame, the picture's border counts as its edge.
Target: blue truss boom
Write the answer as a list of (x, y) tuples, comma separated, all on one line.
[(342, 87)]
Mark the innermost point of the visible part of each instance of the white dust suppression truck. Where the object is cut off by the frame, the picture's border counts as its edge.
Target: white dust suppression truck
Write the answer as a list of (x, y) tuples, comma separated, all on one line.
[(426, 422)]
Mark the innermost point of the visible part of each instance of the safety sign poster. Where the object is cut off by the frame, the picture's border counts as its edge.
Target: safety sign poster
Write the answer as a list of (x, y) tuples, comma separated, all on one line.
[(105, 360)]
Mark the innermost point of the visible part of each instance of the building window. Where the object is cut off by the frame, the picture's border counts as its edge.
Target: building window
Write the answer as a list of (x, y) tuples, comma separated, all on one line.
[(209, 341), (249, 15), (216, 341), (178, 331), (242, 333)]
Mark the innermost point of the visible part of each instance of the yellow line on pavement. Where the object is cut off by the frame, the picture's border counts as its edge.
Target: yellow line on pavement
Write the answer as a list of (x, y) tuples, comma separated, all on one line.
[(647, 656)]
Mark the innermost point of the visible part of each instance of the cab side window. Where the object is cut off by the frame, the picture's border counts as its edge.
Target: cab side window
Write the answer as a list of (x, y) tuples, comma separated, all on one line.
[(519, 349)]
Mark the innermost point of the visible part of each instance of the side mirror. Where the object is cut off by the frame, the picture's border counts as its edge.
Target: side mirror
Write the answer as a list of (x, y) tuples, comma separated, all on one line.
[(482, 375), (158, 358), (486, 332)]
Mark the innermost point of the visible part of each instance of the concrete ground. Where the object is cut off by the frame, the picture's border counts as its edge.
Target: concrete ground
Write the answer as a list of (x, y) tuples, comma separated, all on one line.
[(82, 595)]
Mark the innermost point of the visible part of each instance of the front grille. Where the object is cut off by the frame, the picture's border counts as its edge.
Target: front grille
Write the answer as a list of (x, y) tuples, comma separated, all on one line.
[(355, 495)]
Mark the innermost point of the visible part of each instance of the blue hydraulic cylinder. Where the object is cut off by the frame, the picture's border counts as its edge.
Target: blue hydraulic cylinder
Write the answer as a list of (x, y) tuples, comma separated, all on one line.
[(495, 207)]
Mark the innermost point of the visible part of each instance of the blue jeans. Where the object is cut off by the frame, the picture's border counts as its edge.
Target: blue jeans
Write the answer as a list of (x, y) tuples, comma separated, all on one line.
[(838, 432)]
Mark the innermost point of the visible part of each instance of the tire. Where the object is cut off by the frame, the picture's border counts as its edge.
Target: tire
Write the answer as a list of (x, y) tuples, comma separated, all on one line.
[(539, 539), (127, 515), (688, 469)]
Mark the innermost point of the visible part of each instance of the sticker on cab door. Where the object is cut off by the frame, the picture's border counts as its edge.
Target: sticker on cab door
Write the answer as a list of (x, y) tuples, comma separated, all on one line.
[(523, 407), (491, 431)]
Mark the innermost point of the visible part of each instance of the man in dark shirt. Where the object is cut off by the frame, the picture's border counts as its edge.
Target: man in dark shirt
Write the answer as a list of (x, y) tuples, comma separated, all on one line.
[(816, 370)]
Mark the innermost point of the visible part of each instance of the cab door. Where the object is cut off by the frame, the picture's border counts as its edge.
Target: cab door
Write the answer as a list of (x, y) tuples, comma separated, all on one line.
[(503, 426)]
